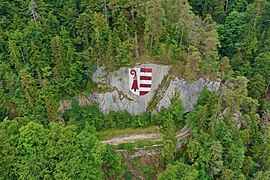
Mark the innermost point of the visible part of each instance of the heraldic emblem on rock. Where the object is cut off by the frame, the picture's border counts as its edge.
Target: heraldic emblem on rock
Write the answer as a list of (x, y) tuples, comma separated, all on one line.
[(140, 80)]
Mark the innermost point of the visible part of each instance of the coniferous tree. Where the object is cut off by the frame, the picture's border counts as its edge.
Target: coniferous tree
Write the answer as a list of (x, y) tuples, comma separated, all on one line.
[(99, 37), (83, 27), (154, 22)]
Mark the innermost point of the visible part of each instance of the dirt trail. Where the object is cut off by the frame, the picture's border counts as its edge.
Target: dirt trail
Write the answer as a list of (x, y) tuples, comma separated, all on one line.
[(134, 138), (145, 137)]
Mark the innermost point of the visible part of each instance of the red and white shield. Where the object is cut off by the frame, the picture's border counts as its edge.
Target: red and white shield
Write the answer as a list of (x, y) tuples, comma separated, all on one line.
[(140, 80)]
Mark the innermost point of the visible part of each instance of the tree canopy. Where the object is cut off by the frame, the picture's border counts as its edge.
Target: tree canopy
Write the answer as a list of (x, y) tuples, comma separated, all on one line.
[(49, 50)]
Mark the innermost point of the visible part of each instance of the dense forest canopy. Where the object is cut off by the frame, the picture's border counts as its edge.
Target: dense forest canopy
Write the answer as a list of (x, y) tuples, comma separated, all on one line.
[(49, 50)]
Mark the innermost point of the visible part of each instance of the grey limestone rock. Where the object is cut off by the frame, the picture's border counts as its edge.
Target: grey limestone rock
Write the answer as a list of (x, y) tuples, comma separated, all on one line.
[(122, 99), (99, 75), (189, 92)]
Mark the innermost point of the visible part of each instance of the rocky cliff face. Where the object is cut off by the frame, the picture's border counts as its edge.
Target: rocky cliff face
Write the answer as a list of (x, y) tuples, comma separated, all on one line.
[(120, 98), (189, 92)]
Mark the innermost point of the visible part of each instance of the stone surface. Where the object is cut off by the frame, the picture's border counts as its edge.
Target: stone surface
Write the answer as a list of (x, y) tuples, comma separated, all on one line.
[(189, 92), (122, 99), (99, 75)]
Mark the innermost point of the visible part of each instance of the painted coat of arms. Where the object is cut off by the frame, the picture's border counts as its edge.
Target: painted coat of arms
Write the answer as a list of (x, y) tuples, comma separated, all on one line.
[(140, 80)]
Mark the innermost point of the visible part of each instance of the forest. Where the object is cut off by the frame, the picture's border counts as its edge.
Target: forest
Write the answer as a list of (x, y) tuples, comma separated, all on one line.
[(50, 49)]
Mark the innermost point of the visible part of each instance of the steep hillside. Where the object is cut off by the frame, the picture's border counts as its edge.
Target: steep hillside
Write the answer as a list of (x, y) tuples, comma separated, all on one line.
[(164, 88), (75, 74)]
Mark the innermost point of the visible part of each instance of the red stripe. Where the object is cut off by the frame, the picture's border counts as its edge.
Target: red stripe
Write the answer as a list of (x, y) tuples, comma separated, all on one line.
[(145, 85), (143, 93), (145, 78), (146, 70)]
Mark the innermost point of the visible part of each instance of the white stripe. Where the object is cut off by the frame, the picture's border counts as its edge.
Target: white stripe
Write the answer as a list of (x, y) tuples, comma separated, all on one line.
[(145, 81), (144, 89), (145, 74)]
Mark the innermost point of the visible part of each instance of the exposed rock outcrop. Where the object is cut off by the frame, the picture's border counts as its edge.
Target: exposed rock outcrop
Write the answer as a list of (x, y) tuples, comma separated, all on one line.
[(99, 75), (162, 90), (189, 92), (121, 98)]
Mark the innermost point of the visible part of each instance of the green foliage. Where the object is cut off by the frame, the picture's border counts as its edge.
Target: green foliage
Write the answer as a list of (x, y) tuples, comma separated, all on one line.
[(93, 116), (169, 143), (213, 7), (262, 66), (55, 44), (225, 68), (49, 50), (256, 86), (174, 114), (218, 145), (32, 159), (112, 162), (180, 170), (153, 22), (231, 33), (33, 151), (192, 66), (9, 135), (127, 146)]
